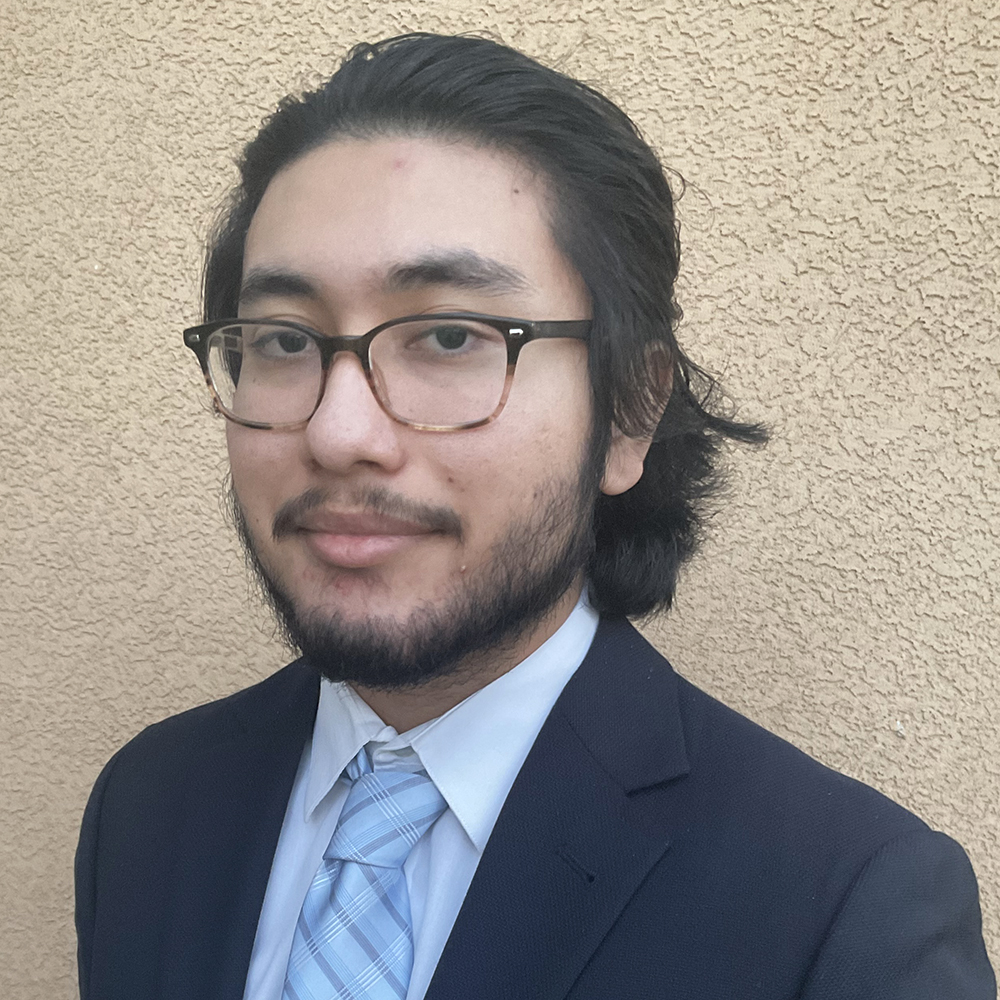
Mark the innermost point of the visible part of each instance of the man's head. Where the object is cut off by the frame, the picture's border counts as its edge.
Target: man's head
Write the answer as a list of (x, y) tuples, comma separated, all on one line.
[(435, 174)]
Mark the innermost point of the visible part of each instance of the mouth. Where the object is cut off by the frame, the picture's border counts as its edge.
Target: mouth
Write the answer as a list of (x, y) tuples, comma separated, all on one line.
[(364, 529), (359, 540)]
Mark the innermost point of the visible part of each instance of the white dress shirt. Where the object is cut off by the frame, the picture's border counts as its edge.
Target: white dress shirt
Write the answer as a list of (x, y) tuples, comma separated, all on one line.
[(472, 753)]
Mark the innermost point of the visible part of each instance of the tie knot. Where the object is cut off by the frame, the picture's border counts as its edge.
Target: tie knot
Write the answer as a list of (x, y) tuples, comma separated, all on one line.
[(386, 813)]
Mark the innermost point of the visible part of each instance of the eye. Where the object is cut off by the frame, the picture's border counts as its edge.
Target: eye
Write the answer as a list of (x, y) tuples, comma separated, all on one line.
[(279, 344), (292, 343), (440, 342), (450, 337), (453, 338)]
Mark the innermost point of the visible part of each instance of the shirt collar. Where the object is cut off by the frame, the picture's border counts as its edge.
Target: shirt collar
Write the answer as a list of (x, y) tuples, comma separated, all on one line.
[(493, 730)]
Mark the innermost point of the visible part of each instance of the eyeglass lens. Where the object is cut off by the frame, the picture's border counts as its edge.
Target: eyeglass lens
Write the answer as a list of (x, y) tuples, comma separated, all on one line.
[(435, 372)]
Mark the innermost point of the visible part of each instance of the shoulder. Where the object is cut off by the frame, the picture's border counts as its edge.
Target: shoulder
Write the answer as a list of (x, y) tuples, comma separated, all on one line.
[(225, 749), (187, 794), (804, 870), (729, 771), (747, 769), (272, 710)]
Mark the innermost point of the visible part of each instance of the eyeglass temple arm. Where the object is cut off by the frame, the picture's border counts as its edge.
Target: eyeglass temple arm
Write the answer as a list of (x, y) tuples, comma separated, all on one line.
[(575, 329)]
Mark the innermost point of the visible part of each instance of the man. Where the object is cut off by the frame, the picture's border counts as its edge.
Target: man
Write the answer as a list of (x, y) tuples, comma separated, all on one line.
[(465, 445)]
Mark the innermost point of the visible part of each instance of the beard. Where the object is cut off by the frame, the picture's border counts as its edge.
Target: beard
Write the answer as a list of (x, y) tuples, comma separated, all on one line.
[(529, 568)]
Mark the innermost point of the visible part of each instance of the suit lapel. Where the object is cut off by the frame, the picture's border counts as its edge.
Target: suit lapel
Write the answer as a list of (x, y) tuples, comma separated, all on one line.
[(227, 830), (570, 846)]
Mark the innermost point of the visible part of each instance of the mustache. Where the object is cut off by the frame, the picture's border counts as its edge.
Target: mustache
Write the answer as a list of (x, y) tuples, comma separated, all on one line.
[(369, 500)]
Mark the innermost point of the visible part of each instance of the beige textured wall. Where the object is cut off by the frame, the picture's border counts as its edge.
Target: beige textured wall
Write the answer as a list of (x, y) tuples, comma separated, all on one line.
[(840, 227)]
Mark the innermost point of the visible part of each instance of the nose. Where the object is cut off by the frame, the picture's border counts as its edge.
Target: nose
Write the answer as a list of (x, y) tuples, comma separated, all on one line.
[(350, 428)]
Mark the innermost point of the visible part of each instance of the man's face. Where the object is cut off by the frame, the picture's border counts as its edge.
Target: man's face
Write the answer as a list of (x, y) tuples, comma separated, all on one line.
[(366, 528)]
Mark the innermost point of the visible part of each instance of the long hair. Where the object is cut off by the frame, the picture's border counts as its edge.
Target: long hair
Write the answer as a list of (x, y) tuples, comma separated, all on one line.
[(612, 216)]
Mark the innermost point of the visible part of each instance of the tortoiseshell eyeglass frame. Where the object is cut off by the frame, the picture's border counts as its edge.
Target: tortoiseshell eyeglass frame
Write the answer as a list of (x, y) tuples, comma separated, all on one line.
[(516, 333)]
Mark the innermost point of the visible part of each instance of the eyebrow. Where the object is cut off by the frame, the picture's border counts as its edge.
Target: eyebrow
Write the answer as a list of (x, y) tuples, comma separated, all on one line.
[(262, 282), (458, 269), (462, 268)]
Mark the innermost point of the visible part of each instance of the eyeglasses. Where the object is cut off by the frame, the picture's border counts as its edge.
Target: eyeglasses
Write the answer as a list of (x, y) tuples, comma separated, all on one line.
[(437, 372)]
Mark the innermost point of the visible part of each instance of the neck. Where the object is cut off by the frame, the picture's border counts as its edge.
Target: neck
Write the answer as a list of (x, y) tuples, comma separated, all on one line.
[(405, 708)]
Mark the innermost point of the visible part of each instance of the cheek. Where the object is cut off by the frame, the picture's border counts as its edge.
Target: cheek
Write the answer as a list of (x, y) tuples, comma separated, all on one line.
[(551, 388), (542, 433), (258, 463), (551, 401), (499, 473)]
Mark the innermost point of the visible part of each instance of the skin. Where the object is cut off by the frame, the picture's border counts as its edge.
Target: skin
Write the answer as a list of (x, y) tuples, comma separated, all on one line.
[(343, 219)]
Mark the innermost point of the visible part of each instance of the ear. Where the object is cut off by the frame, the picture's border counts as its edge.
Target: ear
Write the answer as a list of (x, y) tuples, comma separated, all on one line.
[(623, 466)]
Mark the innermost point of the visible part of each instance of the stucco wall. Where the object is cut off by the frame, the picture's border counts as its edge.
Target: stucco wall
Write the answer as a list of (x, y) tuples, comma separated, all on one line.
[(840, 227)]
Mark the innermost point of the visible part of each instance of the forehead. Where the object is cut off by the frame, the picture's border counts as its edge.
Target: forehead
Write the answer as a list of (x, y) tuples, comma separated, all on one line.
[(348, 212)]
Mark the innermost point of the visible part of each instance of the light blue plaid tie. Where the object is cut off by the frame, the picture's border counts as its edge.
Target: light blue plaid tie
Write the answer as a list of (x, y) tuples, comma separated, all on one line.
[(354, 939)]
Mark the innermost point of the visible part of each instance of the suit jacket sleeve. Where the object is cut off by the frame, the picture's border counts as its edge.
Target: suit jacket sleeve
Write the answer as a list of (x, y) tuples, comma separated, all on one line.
[(86, 878), (909, 927)]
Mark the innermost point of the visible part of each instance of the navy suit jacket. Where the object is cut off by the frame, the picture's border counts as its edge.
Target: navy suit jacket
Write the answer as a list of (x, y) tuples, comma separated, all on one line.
[(654, 845)]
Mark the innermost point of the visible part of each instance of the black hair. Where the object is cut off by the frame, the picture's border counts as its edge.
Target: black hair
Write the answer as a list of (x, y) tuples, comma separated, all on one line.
[(612, 215)]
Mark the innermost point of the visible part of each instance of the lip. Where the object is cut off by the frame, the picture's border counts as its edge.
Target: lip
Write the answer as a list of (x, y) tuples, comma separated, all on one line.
[(357, 541)]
